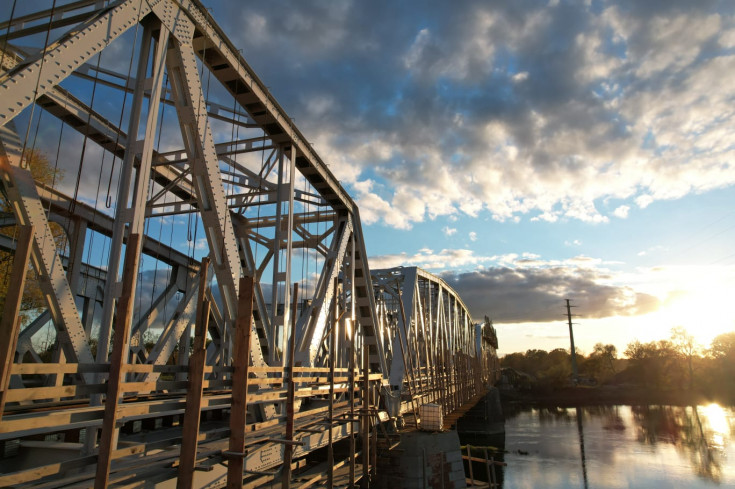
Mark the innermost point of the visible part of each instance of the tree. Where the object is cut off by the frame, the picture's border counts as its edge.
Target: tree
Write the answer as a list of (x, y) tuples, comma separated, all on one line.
[(33, 299), (722, 354), (653, 362), (723, 346), (686, 347), (600, 363), (608, 354)]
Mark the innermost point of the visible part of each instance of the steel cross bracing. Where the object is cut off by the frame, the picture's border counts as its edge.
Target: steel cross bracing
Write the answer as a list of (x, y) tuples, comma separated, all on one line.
[(145, 191)]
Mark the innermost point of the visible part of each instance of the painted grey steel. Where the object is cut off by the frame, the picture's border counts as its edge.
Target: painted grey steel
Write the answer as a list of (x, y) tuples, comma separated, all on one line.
[(230, 159)]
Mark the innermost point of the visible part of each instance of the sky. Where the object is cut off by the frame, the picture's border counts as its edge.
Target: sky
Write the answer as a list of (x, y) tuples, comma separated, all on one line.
[(527, 152)]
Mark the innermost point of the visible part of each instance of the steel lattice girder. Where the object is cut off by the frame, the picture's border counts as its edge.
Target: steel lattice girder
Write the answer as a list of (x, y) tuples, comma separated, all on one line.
[(422, 313), (201, 176), (194, 178)]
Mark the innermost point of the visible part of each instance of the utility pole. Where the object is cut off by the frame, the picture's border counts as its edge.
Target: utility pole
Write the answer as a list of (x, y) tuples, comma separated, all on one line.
[(571, 339)]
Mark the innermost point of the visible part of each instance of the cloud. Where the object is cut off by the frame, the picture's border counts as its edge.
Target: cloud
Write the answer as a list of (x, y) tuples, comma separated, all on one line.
[(461, 259), (515, 109), (535, 110), (151, 284), (449, 231), (622, 211), (473, 236), (519, 288), (531, 294)]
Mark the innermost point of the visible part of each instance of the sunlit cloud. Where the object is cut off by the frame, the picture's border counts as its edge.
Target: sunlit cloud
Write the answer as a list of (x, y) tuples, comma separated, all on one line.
[(586, 103)]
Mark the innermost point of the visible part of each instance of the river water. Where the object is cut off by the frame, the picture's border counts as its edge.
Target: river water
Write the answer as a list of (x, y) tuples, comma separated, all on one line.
[(619, 447)]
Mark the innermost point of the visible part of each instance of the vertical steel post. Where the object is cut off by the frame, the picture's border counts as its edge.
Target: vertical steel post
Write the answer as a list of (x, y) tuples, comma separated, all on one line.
[(282, 242), (135, 175), (290, 394)]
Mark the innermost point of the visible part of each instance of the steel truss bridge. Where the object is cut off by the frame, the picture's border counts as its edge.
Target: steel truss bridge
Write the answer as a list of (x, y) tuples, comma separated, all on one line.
[(199, 308)]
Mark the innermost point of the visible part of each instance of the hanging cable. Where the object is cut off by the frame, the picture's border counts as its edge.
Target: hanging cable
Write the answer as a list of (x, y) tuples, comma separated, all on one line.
[(108, 198), (306, 206), (7, 34), (31, 153), (165, 201), (72, 205), (38, 83)]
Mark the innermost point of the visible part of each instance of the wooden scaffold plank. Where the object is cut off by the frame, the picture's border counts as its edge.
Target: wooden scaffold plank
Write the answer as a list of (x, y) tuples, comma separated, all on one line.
[(193, 412), (241, 363)]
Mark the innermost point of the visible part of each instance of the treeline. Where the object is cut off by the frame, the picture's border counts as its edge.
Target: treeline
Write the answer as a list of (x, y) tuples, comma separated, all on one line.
[(674, 363)]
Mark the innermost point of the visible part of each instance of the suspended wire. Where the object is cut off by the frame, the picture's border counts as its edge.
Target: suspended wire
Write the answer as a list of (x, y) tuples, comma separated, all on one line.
[(108, 198), (305, 251), (723, 259), (702, 240), (259, 194), (35, 134), (94, 215), (73, 203), (7, 33), (165, 201), (38, 83)]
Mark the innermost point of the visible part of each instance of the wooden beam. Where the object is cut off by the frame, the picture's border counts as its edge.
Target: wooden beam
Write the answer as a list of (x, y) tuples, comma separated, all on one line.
[(332, 360), (10, 322), (193, 412), (241, 364), (365, 480), (353, 334), (123, 317)]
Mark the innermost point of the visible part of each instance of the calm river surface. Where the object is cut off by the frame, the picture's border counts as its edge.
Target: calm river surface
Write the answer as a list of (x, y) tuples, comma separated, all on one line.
[(620, 447)]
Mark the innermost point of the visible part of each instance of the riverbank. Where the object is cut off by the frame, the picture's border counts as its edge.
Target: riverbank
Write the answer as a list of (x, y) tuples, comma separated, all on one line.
[(608, 394)]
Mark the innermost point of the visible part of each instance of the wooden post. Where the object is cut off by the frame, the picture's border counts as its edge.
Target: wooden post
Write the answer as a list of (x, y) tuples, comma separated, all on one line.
[(332, 353), (123, 316), (10, 322), (241, 364), (374, 436), (192, 413), (492, 472), (469, 464), (365, 481), (290, 395), (352, 404)]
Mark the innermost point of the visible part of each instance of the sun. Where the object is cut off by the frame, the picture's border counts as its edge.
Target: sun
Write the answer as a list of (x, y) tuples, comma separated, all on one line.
[(704, 314)]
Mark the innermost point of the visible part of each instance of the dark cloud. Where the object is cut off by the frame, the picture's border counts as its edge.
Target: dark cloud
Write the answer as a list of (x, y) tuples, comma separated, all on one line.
[(550, 97), (515, 295), (510, 106)]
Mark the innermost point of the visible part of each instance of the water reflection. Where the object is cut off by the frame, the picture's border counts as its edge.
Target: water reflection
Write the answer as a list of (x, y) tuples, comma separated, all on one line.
[(620, 446), (580, 431), (699, 432)]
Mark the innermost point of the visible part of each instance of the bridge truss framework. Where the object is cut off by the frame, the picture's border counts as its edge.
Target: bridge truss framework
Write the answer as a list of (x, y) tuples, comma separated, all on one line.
[(203, 295)]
